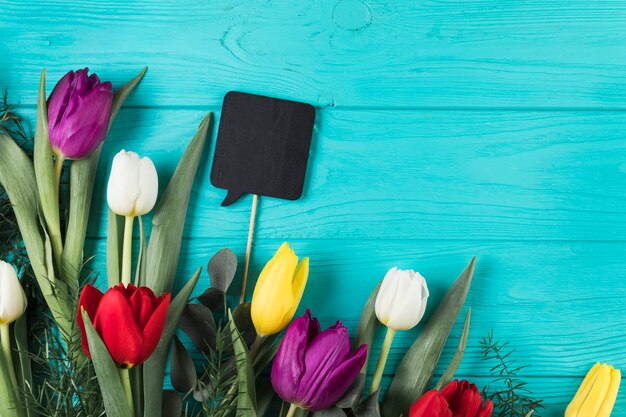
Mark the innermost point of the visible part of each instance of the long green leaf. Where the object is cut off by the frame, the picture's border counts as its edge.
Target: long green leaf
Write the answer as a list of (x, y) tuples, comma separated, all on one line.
[(109, 380), (458, 355), (367, 325), (24, 371), (154, 367), (44, 173), (115, 233), (416, 368), (17, 177), (82, 176), (168, 221), (246, 395), (120, 95)]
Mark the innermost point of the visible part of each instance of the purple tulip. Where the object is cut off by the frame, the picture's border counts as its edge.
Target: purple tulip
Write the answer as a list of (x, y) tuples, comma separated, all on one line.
[(313, 369), (79, 110)]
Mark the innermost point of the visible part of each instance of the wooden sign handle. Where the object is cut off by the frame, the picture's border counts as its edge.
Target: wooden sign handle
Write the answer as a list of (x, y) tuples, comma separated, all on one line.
[(255, 200)]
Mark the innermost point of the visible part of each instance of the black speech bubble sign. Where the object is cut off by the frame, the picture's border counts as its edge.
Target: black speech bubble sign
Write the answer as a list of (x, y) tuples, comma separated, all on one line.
[(262, 146)]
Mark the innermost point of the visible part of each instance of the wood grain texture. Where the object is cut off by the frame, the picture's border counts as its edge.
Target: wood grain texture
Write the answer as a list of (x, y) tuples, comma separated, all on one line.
[(434, 53), (447, 129), (377, 174)]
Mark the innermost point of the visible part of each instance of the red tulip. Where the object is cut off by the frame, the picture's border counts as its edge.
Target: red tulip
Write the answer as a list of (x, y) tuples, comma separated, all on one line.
[(457, 399), (129, 320)]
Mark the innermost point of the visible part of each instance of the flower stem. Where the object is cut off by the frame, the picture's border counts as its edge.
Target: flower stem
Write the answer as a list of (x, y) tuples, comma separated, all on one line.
[(382, 360), (292, 410), (254, 349), (58, 169), (125, 377), (6, 351), (128, 245)]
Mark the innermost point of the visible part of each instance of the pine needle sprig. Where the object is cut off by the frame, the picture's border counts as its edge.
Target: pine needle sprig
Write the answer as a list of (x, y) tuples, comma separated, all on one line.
[(509, 393), (218, 376)]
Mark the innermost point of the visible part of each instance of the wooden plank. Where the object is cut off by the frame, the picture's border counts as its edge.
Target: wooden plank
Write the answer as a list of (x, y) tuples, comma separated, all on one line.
[(413, 175), (372, 53), (560, 304)]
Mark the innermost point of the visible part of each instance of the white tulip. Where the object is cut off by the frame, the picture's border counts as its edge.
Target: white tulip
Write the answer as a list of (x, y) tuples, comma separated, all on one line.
[(401, 300), (12, 298), (133, 185)]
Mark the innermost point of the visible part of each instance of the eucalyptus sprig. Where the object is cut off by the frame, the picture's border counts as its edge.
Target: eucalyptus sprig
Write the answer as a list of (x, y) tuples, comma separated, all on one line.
[(509, 393)]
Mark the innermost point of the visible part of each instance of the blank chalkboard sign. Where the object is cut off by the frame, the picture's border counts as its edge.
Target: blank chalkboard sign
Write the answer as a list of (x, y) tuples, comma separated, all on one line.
[(262, 146)]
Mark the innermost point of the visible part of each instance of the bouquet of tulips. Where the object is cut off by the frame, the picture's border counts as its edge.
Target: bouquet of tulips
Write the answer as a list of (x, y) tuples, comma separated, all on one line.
[(113, 345)]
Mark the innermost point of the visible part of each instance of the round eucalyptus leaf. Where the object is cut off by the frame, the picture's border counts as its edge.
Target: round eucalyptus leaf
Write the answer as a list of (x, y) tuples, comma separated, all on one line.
[(197, 321), (243, 321), (222, 268), (183, 372), (212, 298)]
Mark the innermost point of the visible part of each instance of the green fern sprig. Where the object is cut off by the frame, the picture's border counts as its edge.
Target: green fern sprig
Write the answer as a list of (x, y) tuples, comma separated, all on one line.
[(509, 393)]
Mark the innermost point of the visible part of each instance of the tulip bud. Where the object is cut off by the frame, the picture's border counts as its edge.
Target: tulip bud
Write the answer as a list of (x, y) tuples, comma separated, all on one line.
[(597, 393), (278, 291), (313, 369), (79, 110), (12, 298), (458, 398), (401, 300), (133, 185), (129, 320)]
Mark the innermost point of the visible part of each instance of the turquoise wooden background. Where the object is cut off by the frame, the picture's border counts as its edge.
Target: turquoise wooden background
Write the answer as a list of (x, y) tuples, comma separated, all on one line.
[(445, 129)]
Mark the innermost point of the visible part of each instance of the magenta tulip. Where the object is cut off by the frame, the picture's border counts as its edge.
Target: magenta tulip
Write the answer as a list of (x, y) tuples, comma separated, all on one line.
[(314, 369), (79, 110)]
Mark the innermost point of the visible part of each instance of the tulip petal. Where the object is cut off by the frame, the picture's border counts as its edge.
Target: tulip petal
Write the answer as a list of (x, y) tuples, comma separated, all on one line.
[(143, 303), (89, 301), (148, 187), (288, 365), (154, 328), (116, 326), (387, 294), (123, 185), (431, 404), (609, 400), (299, 283), (409, 303), (273, 294), (340, 380), (324, 354), (487, 410), (57, 102), (597, 392), (582, 392)]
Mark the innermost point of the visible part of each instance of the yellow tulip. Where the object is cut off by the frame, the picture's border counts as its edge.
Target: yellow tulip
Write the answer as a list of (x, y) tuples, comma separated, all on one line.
[(597, 393), (278, 291)]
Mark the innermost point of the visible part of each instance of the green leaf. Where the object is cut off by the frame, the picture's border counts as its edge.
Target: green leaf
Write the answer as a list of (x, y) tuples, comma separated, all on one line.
[(17, 177), (448, 375), (369, 407), (168, 221), (82, 175), (154, 367), (417, 366), (243, 320), (367, 326), (108, 375), (212, 298), (24, 370), (246, 397), (8, 397), (352, 397), (140, 274), (115, 236), (265, 395), (182, 370), (44, 173), (197, 321), (172, 404), (222, 268), (120, 95)]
